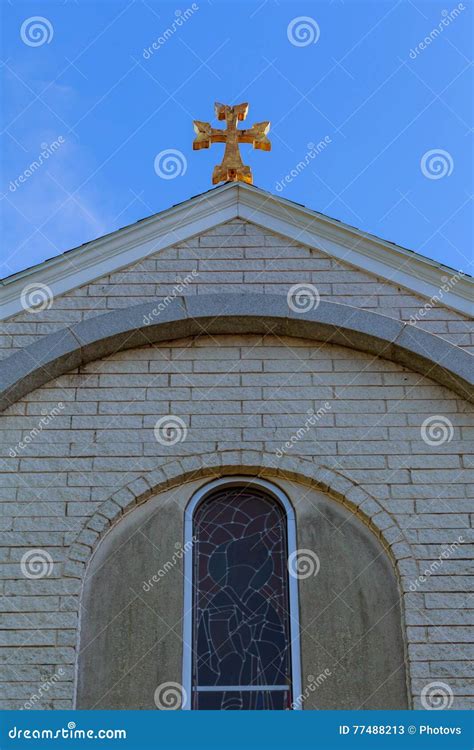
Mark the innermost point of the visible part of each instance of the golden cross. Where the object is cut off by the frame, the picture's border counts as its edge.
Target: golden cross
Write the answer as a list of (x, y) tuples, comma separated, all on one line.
[(232, 168)]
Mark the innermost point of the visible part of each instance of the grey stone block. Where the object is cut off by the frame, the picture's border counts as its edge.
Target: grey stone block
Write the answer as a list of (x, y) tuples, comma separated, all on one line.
[(125, 328), (437, 358), (36, 364)]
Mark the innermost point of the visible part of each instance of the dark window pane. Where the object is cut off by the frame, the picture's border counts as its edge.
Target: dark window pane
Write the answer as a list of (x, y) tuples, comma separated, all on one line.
[(264, 700), (240, 600)]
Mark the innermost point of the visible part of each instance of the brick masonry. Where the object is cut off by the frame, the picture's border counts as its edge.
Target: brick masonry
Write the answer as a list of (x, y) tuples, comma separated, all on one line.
[(235, 257), (234, 393)]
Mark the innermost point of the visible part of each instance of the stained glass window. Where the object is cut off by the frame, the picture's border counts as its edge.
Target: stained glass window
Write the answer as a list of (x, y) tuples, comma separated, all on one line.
[(241, 653)]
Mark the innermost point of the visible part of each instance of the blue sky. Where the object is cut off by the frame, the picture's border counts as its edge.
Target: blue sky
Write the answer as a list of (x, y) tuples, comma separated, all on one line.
[(397, 118)]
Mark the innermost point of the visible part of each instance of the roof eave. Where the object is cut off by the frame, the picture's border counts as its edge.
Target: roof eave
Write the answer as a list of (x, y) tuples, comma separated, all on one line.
[(179, 223)]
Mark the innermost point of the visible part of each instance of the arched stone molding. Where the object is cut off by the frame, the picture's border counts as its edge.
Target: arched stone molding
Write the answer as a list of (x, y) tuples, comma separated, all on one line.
[(57, 353), (255, 463)]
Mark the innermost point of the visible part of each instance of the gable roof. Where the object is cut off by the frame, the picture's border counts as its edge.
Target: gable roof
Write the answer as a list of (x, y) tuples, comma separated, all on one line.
[(132, 243)]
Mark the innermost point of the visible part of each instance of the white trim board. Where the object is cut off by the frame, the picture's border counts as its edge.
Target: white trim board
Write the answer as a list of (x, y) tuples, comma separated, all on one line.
[(179, 223)]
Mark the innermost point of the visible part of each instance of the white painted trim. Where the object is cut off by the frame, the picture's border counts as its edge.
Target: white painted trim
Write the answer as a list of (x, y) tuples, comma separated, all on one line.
[(197, 498), (120, 249), (236, 200), (357, 248), (239, 688)]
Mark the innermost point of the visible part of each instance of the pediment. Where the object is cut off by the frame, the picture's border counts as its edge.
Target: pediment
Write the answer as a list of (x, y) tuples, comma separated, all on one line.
[(203, 213)]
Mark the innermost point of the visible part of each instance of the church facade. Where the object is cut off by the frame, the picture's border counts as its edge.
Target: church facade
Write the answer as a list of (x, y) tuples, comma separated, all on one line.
[(235, 470)]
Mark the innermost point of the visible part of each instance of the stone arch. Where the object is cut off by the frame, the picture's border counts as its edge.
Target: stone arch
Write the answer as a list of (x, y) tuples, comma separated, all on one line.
[(258, 463), (56, 353), (177, 473)]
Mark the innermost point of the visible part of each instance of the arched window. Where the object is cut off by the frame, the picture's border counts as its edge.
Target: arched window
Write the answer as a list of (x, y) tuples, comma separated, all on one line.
[(241, 630)]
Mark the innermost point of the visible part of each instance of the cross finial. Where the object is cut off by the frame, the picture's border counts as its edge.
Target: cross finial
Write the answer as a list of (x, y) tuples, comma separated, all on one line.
[(232, 167)]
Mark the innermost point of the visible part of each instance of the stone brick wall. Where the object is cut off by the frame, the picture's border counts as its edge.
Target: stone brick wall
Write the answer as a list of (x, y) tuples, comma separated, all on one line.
[(91, 432), (235, 257), (233, 393)]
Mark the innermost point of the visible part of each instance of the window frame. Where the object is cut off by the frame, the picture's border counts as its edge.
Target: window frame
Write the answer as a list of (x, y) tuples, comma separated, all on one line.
[(295, 650)]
